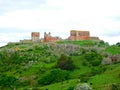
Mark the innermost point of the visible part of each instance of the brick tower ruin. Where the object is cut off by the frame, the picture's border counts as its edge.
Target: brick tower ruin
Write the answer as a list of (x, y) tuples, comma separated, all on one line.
[(35, 36), (49, 38), (79, 35)]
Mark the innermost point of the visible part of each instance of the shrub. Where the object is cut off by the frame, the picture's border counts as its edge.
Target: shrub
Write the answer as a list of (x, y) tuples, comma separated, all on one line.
[(56, 75), (8, 81), (97, 70), (65, 63), (93, 58), (115, 86), (85, 63), (118, 44), (95, 62), (70, 88)]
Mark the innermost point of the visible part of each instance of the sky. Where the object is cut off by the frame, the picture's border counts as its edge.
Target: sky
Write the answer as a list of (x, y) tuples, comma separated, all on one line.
[(18, 18)]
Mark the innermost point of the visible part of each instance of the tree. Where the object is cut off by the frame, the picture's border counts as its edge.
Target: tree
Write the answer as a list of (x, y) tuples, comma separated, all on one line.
[(118, 44), (115, 86), (65, 63), (56, 75), (93, 58), (8, 81)]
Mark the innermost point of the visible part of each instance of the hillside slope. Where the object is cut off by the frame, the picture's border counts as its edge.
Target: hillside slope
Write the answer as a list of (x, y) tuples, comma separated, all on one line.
[(23, 66)]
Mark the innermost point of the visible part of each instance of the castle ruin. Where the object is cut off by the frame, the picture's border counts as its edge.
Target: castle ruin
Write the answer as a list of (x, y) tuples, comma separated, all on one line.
[(49, 38), (75, 35), (35, 36), (79, 35)]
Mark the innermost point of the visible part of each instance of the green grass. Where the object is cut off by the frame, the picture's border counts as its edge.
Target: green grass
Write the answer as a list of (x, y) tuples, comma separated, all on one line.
[(99, 82), (56, 86), (80, 69), (36, 68), (110, 76), (113, 50), (62, 85), (81, 43)]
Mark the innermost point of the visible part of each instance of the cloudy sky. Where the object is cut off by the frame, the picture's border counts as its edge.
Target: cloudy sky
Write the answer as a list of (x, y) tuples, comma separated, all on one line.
[(18, 18)]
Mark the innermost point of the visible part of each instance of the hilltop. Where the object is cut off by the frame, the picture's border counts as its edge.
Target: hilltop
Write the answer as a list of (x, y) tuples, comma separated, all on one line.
[(37, 65)]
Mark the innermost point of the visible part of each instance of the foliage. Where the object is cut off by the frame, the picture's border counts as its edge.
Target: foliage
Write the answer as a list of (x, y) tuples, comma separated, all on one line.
[(70, 88), (97, 70), (65, 63), (85, 63), (115, 86), (56, 75), (81, 43), (8, 81), (113, 50), (93, 58), (40, 60), (118, 44), (95, 62)]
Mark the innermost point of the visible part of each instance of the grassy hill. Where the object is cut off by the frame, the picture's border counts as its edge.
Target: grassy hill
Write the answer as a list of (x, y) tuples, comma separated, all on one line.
[(23, 66)]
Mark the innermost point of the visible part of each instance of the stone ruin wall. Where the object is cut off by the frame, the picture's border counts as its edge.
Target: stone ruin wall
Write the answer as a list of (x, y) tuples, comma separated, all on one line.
[(35, 36), (74, 36), (49, 38), (79, 35)]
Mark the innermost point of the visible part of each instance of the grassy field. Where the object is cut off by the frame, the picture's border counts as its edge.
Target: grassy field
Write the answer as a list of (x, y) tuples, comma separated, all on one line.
[(81, 43), (113, 50)]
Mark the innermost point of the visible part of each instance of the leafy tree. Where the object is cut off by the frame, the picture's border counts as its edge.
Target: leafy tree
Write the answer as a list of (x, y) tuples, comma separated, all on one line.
[(115, 86), (93, 58), (70, 88), (118, 44), (96, 62), (65, 63), (8, 81), (56, 75)]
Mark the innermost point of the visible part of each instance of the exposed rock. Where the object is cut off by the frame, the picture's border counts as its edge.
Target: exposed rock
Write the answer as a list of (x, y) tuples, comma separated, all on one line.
[(83, 86)]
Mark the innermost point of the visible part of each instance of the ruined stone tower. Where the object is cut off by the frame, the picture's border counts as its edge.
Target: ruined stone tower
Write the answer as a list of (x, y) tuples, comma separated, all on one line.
[(35, 36), (79, 35), (49, 38)]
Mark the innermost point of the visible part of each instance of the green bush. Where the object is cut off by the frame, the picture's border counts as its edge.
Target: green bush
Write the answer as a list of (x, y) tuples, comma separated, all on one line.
[(93, 58), (65, 63), (97, 70), (115, 86), (95, 62), (8, 81), (118, 44), (70, 88), (85, 63), (56, 75)]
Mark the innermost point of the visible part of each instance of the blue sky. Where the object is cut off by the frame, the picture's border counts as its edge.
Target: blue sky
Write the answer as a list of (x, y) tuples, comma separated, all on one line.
[(18, 18)]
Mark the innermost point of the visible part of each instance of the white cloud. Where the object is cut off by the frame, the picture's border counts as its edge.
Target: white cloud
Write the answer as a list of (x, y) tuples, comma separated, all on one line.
[(13, 37), (111, 40), (60, 16)]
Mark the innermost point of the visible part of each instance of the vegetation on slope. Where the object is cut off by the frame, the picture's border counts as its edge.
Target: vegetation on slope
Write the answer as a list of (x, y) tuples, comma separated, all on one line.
[(56, 66), (114, 49)]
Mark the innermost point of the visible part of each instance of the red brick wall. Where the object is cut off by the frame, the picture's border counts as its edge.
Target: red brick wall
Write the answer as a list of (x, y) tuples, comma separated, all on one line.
[(35, 34), (79, 35), (49, 38)]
